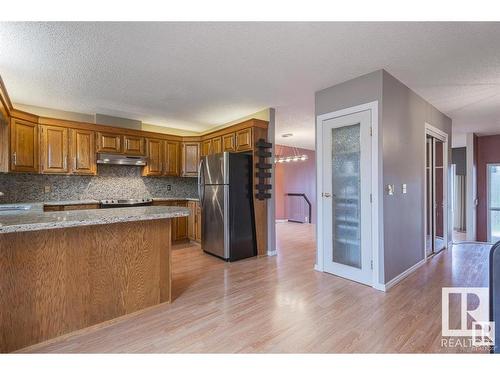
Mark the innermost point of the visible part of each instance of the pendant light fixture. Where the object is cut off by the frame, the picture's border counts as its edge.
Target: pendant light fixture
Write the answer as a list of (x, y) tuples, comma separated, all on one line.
[(294, 157)]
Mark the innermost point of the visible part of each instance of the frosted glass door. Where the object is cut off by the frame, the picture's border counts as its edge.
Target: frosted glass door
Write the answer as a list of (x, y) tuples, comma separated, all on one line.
[(346, 247), (493, 203), (346, 197)]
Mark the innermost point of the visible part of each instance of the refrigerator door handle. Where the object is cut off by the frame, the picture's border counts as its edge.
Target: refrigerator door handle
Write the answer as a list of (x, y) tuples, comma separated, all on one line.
[(201, 183)]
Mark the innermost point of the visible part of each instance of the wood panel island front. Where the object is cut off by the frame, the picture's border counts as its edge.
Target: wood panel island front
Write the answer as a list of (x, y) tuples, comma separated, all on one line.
[(64, 271)]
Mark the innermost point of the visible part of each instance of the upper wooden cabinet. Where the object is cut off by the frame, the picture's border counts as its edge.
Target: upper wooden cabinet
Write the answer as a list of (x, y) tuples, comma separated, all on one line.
[(206, 147), (4, 140), (133, 145), (163, 158), (228, 142), (244, 139), (190, 159), (54, 149), (23, 146), (109, 142), (155, 154), (82, 152), (216, 145), (172, 159)]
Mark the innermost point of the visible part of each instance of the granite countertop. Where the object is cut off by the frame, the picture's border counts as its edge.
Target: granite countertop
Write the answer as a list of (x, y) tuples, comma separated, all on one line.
[(36, 219)]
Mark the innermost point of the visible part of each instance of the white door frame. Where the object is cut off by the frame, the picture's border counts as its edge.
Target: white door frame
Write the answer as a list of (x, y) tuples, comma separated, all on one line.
[(443, 137), (488, 201), (377, 213)]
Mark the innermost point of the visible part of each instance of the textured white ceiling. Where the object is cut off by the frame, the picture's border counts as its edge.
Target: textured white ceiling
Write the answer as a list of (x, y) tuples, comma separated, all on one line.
[(198, 75)]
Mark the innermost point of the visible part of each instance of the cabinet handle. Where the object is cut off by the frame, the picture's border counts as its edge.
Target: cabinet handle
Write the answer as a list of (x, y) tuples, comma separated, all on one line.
[(14, 156)]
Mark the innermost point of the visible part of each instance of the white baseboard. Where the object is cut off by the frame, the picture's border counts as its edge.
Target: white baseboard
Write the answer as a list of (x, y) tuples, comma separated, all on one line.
[(403, 275), (272, 253), (281, 220)]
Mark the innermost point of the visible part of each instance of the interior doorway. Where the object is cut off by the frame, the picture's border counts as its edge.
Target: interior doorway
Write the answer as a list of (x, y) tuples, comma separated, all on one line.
[(493, 191), (436, 191)]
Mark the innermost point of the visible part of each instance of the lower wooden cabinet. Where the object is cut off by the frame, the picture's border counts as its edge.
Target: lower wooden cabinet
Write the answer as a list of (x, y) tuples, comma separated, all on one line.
[(194, 221), (180, 226)]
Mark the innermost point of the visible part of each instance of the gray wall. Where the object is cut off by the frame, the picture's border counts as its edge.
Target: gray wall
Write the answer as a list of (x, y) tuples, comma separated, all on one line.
[(404, 115), (459, 158), (402, 118), (361, 90), (111, 182)]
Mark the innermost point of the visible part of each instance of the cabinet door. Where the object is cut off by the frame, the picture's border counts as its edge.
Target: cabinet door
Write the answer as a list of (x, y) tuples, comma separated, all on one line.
[(54, 149), (23, 146), (244, 139), (180, 225), (216, 145), (4, 139), (206, 147), (133, 145), (192, 220), (228, 143), (190, 159), (198, 223), (108, 142), (172, 158), (154, 152), (82, 152)]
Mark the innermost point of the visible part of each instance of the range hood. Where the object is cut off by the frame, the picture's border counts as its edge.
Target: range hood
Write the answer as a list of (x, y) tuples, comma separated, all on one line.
[(121, 159)]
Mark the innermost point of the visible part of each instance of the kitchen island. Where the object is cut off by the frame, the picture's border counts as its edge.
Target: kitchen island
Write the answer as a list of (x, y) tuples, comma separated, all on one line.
[(64, 271)]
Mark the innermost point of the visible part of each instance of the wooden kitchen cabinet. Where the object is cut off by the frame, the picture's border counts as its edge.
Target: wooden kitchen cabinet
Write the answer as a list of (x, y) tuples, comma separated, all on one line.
[(155, 154), (228, 142), (190, 159), (179, 224), (54, 142), (206, 147), (192, 220), (133, 145), (197, 233), (23, 146), (172, 160), (82, 152), (109, 142), (244, 139), (216, 145), (4, 138)]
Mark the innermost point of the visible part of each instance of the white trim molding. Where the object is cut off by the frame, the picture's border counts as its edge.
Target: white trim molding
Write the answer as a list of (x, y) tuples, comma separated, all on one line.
[(443, 137), (403, 275), (376, 189)]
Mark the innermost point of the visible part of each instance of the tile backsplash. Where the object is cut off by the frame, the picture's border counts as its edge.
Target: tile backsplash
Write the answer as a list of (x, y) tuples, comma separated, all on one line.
[(112, 181)]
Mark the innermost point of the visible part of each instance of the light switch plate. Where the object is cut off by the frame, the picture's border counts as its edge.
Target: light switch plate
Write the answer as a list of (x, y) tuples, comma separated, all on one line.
[(390, 189), (169, 187), (403, 188), (46, 189)]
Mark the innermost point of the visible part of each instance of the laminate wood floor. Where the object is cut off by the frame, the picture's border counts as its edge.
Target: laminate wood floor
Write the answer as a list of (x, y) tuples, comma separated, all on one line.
[(280, 304)]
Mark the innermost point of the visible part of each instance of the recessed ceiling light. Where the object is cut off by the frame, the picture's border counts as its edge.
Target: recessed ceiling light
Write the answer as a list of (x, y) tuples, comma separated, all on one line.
[(286, 135)]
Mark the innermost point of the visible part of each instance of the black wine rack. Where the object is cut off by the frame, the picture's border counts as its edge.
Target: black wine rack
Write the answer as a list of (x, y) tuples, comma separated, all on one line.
[(263, 169)]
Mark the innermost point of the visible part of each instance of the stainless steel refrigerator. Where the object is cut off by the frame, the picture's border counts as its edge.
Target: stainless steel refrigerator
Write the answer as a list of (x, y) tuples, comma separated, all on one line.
[(226, 198)]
